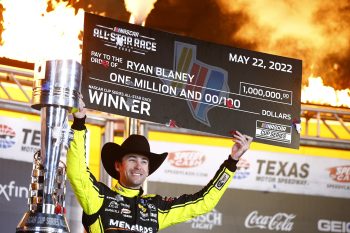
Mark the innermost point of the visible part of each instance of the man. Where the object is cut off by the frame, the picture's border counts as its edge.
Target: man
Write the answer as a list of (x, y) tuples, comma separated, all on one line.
[(124, 208)]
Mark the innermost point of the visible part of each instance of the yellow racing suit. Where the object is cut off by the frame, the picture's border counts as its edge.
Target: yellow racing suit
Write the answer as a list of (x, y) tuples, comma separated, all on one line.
[(120, 209)]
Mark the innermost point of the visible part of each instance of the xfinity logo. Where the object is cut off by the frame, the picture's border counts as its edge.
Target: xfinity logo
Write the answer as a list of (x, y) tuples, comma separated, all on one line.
[(326, 225), (276, 222), (10, 190)]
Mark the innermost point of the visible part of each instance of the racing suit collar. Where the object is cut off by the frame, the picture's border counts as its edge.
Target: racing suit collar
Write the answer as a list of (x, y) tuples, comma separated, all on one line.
[(127, 192)]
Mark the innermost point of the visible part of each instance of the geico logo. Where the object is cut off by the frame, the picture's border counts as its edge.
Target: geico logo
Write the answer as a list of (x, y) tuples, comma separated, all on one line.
[(326, 225), (10, 190)]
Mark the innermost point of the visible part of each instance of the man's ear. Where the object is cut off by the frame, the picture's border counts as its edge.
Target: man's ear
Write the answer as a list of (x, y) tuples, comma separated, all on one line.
[(117, 165)]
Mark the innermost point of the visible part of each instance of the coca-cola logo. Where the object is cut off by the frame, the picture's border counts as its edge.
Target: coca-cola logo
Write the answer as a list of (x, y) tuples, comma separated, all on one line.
[(186, 159), (340, 173), (276, 222)]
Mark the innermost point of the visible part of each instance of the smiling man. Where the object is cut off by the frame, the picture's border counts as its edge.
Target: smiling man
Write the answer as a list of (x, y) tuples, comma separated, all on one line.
[(133, 170), (124, 207)]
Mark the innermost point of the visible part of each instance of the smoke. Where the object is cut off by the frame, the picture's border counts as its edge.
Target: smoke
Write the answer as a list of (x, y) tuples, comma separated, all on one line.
[(317, 32)]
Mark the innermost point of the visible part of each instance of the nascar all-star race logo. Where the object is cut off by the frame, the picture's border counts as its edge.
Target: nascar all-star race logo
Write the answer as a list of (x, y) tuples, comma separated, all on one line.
[(7, 136), (125, 40)]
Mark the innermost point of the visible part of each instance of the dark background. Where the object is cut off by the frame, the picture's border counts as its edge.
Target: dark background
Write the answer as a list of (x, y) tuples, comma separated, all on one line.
[(317, 32)]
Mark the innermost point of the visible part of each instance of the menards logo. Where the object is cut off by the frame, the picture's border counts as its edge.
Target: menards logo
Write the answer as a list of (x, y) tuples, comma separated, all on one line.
[(340, 173)]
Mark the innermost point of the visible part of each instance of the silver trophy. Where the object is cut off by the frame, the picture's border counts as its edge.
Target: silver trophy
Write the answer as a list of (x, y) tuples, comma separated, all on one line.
[(55, 93)]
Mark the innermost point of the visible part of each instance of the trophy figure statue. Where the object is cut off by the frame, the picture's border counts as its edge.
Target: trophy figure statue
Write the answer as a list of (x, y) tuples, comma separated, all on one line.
[(55, 93)]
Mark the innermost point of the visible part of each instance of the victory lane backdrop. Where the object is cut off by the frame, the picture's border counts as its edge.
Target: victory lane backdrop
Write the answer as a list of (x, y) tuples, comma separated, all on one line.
[(178, 81)]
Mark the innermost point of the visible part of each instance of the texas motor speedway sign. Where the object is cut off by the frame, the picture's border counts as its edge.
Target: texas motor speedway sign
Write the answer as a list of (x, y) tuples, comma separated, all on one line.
[(169, 79)]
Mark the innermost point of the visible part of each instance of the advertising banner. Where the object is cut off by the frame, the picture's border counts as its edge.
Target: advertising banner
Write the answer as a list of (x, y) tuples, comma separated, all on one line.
[(21, 138), (257, 170), (182, 82), (262, 212), (14, 192)]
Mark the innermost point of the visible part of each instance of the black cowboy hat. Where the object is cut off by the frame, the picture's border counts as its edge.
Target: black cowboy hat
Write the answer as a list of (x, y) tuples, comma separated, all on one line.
[(136, 144)]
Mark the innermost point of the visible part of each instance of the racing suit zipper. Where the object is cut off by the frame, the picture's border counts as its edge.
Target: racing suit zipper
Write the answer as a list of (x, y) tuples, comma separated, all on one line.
[(137, 209)]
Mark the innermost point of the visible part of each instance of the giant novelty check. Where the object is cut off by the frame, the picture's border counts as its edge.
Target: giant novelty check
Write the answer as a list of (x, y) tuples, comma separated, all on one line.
[(182, 82)]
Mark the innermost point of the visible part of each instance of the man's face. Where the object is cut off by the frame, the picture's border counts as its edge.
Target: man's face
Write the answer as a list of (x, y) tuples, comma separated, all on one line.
[(133, 170)]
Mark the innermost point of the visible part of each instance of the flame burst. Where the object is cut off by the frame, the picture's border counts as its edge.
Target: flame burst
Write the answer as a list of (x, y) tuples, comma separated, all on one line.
[(31, 33), (315, 31), (139, 10), (317, 93)]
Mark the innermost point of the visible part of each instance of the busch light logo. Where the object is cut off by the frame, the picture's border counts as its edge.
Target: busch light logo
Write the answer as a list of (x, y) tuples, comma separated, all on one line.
[(209, 84), (207, 221), (7, 135)]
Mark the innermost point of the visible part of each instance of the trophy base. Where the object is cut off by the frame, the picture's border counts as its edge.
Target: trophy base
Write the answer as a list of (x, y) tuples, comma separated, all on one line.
[(41, 222)]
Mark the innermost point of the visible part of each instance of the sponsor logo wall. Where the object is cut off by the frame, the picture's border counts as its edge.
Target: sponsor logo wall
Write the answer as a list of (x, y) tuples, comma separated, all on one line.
[(262, 212), (20, 139), (257, 170), (14, 188)]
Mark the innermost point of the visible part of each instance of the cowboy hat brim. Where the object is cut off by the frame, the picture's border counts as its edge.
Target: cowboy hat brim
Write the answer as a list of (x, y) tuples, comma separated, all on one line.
[(112, 152)]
